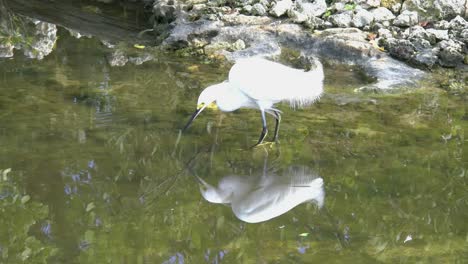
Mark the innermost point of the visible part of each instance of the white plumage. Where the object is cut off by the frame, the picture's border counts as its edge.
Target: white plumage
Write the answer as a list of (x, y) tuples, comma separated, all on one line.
[(255, 199), (260, 83), (265, 80)]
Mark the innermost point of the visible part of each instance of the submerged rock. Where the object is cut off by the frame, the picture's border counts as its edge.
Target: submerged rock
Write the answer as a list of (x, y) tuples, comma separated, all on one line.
[(6, 50), (43, 42), (117, 58)]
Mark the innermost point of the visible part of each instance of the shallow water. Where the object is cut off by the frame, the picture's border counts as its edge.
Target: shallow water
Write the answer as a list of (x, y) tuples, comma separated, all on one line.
[(100, 174)]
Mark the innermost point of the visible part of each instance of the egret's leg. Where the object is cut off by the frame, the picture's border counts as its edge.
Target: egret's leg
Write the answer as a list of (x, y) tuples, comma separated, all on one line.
[(278, 120), (264, 129)]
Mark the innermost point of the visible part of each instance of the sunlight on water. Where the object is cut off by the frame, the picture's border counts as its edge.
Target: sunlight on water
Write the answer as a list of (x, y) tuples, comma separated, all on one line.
[(96, 174)]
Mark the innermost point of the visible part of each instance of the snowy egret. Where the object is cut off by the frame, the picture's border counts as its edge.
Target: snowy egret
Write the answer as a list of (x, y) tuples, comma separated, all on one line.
[(259, 83), (255, 199)]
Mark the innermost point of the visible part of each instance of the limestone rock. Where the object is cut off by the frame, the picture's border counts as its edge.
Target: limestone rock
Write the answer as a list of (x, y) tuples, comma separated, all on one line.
[(442, 24), (385, 33), (6, 50), (400, 48), (406, 19), (117, 58), (312, 9), (368, 3), (458, 23), (450, 8), (281, 7), (362, 18), (342, 19), (297, 17), (382, 14), (43, 42), (450, 53), (438, 34), (258, 10), (427, 57)]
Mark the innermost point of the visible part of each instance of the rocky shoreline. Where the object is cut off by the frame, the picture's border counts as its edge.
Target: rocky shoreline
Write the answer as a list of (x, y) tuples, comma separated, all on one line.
[(422, 33), (392, 41)]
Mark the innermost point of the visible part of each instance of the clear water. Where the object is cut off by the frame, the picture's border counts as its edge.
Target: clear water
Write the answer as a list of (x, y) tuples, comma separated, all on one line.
[(99, 173)]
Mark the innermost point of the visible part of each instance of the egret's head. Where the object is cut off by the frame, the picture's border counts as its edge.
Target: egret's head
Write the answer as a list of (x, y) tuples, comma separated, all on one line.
[(207, 99)]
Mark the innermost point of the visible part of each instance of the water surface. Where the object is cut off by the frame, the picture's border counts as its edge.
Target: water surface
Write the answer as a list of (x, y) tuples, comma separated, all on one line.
[(100, 175)]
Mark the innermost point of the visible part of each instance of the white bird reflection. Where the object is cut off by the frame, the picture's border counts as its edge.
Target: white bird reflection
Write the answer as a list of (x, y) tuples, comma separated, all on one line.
[(255, 199)]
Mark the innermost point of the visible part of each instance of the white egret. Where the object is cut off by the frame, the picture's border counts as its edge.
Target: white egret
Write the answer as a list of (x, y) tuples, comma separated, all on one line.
[(255, 199), (259, 83)]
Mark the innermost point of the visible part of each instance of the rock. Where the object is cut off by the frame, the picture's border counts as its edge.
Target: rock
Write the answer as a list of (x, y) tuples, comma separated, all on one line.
[(458, 23), (164, 11), (442, 24), (42, 44), (297, 17), (382, 14), (464, 36), (238, 45), (265, 3), (312, 9), (216, 47), (420, 44), (258, 10), (395, 8), (438, 34), (406, 19), (418, 32), (342, 19), (338, 6), (77, 34), (450, 8), (385, 33), (400, 48), (140, 59), (450, 53), (281, 7), (315, 22), (247, 9), (235, 19), (184, 31), (117, 58), (427, 57), (368, 3), (362, 18), (6, 50)]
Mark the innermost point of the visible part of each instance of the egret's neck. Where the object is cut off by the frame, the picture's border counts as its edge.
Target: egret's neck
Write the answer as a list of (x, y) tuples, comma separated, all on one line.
[(232, 99)]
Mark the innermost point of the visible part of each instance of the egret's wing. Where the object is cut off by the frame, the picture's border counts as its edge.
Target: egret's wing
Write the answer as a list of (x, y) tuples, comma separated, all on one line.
[(265, 80)]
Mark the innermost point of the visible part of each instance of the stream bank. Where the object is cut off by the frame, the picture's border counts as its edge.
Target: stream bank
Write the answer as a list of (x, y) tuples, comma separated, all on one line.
[(395, 43)]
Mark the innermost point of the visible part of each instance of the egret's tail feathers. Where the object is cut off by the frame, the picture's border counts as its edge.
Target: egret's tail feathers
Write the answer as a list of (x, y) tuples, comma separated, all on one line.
[(308, 87)]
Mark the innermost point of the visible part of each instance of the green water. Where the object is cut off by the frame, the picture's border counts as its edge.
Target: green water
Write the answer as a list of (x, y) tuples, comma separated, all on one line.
[(100, 175)]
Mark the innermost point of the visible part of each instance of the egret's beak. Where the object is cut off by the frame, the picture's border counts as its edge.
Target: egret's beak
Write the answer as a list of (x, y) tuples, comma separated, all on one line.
[(194, 115)]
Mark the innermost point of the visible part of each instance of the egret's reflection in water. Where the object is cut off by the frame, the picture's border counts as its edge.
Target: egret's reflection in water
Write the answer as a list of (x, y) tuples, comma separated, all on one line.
[(256, 199)]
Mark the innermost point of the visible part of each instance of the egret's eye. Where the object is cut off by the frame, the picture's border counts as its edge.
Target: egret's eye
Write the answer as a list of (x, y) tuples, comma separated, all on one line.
[(199, 106)]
